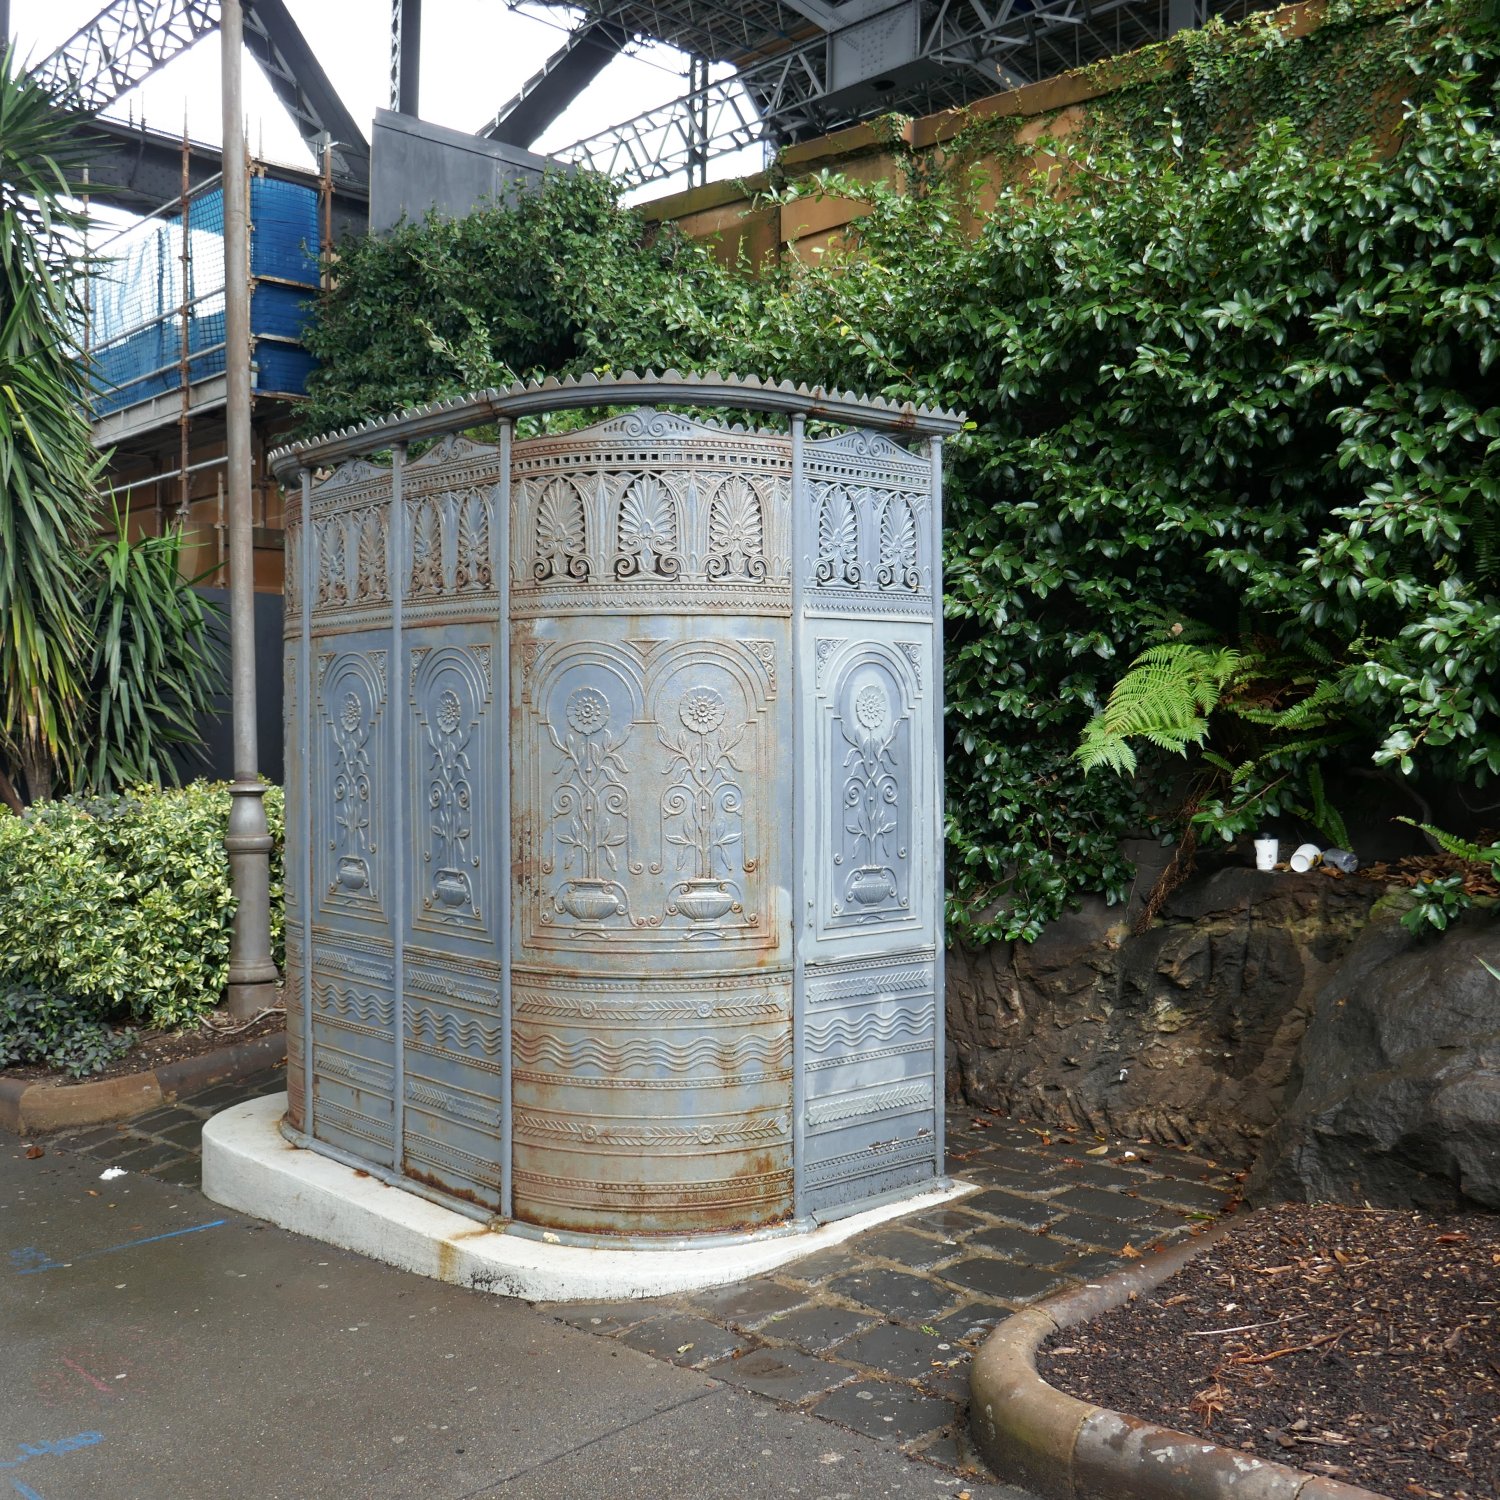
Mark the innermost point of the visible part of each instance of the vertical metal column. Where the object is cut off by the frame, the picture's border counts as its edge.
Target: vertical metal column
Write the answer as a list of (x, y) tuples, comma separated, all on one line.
[(307, 562), (507, 886), (697, 167), (185, 333), (797, 530), (406, 55), (252, 971), (940, 893), (398, 813)]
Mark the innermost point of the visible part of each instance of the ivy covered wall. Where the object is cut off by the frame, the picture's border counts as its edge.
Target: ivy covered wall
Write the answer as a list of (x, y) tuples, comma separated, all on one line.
[(1334, 70), (1227, 341)]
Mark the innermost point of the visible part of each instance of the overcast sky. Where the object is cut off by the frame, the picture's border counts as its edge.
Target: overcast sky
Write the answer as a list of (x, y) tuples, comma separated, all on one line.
[(475, 55)]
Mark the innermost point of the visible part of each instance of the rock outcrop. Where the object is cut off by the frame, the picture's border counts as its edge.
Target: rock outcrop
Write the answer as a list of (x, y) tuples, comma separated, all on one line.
[(1187, 1032), (1395, 1096)]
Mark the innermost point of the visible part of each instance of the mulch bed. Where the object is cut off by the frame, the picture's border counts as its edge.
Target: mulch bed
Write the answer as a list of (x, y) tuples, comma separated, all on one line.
[(153, 1048), (1360, 1344)]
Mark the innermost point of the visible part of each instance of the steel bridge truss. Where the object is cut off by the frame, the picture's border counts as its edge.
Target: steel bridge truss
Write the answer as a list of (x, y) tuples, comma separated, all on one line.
[(129, 40)]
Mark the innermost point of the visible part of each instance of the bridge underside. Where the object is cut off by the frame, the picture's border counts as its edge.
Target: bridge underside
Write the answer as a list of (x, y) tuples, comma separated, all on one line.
[(766, 73)]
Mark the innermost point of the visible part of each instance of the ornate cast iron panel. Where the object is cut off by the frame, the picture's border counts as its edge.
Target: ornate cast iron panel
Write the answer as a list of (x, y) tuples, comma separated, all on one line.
[(652, 1052), (351, 983), (613, 861), (454, 1036), (871, 1064)]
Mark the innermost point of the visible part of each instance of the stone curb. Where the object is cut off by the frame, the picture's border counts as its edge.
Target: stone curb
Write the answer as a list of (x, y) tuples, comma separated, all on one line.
[(28, 1108), (1062, 1448)]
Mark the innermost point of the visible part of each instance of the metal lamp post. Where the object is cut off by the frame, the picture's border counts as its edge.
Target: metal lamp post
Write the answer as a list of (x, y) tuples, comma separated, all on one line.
[(252, 971)]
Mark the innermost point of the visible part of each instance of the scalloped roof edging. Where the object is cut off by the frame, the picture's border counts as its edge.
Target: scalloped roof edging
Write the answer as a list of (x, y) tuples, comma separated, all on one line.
[(528, 398)]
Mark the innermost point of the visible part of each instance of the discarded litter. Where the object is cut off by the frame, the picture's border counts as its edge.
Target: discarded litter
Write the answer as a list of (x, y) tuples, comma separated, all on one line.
[(110, 1173)]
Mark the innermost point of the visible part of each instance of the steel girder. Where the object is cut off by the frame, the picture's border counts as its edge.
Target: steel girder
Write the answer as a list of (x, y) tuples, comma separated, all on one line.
[(294, 72), (557, 83), (129, 40), (124, 45)]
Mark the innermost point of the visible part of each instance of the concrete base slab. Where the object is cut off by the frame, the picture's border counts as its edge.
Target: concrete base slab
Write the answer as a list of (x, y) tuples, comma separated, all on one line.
[(249, 1166)]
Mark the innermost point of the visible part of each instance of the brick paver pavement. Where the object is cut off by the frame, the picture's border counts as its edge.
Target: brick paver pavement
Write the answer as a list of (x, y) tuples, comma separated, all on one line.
[(875, 1334)]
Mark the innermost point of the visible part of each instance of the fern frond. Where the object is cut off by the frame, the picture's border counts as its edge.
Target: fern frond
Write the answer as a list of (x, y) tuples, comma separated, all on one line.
[(1484, 530), (1323, 704), (1177, 737), (1325, 818), (1280, 753), (1099, 748), (1165, 698)]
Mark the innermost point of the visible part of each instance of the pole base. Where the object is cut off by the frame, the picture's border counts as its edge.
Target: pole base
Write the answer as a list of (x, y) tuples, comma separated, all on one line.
[(252, 970), (244, 999)]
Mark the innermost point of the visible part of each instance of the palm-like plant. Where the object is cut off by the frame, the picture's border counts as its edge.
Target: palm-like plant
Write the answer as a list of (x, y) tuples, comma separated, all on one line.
[(156, 658), (48, 466)]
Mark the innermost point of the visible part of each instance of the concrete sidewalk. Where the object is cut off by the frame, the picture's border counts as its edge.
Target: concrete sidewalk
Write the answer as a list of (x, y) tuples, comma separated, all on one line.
[(156, 1348)]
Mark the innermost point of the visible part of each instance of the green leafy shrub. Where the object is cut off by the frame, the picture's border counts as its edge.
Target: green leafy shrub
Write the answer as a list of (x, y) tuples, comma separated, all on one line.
[(1246, 380), (454, 305), (120, 906), (39, 1028)]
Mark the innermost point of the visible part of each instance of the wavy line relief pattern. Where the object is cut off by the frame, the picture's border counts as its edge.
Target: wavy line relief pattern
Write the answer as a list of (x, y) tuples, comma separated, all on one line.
[(447, 1030), (847, 1032), (371, 1010), (653, 1052)]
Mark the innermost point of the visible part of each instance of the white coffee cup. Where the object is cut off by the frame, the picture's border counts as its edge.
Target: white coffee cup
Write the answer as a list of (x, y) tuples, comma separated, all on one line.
[(1305, 857), (1266, 852)]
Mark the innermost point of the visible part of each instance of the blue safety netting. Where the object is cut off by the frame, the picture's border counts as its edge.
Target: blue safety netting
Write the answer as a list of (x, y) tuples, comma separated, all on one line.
[(163, 283)]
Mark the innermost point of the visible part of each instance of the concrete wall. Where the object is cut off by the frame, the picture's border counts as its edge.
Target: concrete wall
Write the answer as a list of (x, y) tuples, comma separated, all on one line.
[(416, 167)]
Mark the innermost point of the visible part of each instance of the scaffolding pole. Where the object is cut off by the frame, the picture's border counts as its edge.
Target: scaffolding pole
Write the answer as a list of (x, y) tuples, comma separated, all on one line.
[(185, 412)]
